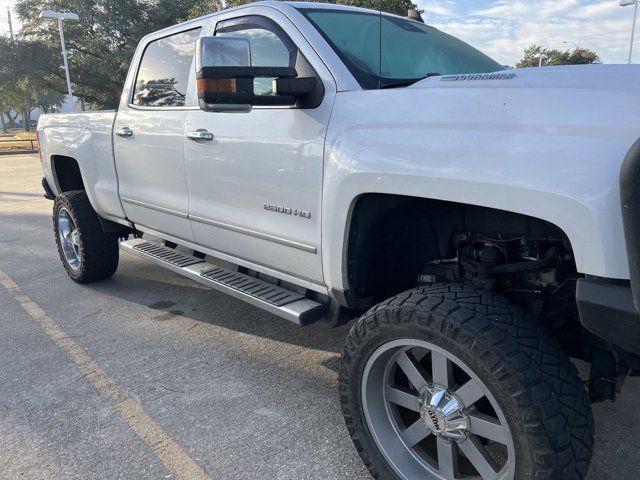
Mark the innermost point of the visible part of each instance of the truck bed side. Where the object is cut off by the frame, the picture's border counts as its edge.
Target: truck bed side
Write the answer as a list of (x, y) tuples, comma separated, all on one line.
[(85, 138)]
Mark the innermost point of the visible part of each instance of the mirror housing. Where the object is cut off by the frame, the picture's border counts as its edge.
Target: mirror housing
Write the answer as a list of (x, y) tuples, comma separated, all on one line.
[(226, 78)]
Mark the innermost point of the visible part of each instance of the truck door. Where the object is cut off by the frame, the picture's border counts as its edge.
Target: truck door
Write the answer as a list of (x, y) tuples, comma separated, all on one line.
[(255, 189), (149, 134)]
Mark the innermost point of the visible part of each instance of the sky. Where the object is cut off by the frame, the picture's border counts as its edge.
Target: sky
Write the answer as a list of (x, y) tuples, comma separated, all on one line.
[(504, 28), (4, 25)]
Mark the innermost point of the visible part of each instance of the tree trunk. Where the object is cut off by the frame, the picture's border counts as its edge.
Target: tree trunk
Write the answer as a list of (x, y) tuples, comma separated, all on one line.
[(29, 110), (4, 124), (25, 117), (11, 119)]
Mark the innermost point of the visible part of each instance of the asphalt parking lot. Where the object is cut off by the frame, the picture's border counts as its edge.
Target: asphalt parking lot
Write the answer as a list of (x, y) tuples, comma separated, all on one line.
[(149, 375)]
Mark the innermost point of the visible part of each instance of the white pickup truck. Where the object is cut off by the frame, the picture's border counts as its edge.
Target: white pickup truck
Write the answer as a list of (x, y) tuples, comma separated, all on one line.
[(326, 163)]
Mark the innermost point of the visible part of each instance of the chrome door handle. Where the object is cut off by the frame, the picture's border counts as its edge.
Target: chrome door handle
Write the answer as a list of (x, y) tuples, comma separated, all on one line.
[(124, 132), (200, 135)]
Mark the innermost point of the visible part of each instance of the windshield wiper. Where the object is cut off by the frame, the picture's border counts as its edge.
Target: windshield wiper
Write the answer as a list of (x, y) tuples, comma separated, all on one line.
[(405, 83)]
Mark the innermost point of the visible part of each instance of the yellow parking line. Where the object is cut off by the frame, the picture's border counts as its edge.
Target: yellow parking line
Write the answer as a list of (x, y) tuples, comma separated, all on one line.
[(174, 458)]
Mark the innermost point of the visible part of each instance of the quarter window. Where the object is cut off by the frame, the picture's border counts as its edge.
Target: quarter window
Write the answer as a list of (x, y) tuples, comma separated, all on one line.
[(164, 71)]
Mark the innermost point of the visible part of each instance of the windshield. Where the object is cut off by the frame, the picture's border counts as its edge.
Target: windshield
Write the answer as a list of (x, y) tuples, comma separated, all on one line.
[(386, 51)]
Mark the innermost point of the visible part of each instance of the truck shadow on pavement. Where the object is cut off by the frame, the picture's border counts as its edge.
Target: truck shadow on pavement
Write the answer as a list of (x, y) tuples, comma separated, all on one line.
[(173, 296)]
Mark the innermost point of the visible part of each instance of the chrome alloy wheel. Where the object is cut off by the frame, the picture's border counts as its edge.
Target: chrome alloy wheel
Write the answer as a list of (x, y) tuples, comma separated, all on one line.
[(432, 417), (69, 236)]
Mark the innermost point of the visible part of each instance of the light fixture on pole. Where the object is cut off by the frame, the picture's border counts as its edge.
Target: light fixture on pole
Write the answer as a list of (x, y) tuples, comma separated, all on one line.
[(626, 3), (543, 57), (60, 17)]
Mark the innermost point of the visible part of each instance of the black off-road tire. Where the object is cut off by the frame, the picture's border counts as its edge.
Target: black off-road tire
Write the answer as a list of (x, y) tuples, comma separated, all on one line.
[(98, 252), (545, 402)]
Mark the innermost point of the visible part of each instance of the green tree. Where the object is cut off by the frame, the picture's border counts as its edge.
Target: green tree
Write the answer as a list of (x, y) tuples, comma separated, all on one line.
[(27, 78), (49, 101), (101, 44), (5, 105), (26, 99), (578, 56), (398, 7), (204, 7)]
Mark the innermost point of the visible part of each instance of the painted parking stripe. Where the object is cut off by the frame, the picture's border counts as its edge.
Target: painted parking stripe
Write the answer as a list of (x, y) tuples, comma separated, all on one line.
[(174, 458)]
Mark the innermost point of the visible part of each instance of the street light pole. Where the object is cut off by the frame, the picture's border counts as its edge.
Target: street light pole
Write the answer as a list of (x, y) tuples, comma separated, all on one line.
[(10, 24), (543, 56), (64, 57), (626, 3), (60, 17), (633, 31)]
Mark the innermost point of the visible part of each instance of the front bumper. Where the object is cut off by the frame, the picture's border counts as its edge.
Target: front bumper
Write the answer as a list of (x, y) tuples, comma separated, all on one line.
[(607, 310)]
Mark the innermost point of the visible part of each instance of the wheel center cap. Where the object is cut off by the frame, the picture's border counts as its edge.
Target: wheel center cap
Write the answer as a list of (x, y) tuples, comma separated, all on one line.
[(75, 237), (442, 413)]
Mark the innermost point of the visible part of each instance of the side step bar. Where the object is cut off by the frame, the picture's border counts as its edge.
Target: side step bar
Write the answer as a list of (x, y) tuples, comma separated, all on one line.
[(272, 298)]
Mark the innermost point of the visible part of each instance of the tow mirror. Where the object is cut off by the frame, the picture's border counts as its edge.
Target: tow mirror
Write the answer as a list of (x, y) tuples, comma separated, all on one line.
[(228, 82)]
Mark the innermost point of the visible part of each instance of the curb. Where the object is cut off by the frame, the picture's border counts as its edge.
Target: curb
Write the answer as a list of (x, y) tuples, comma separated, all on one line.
[(18, 152)]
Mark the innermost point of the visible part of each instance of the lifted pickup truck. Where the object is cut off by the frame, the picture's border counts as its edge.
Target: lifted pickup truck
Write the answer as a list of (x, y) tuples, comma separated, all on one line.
[(326, 163)]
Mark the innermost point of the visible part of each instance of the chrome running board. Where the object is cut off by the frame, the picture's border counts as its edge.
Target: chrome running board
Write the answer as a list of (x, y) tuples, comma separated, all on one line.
[(280, 301)]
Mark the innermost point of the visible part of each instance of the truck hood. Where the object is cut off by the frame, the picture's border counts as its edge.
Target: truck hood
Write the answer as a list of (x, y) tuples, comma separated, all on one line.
[(597, 77), (584, 101)]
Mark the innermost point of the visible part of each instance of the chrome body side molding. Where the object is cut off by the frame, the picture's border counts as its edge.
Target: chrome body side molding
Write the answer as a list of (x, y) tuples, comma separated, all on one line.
[(263, 236)]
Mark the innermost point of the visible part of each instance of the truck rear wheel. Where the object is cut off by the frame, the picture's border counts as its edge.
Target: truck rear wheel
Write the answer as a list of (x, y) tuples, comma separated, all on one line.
[(87, 253), (449, 382)]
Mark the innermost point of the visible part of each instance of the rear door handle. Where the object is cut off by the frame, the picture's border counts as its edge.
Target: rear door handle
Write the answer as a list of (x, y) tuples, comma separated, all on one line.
[(200, 135), (124, 132)]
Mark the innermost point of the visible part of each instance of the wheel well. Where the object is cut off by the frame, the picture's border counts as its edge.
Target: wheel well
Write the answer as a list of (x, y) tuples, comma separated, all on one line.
[(396, 243), (67, 173), (392, 237)]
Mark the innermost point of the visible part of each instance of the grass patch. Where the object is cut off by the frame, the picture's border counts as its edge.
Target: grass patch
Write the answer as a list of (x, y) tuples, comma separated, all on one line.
[(26, 135), (16, 147), (18, 142)]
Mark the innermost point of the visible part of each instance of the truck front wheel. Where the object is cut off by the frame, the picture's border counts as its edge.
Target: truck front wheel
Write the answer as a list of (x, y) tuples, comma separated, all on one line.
[(87, 253), (449, 382)]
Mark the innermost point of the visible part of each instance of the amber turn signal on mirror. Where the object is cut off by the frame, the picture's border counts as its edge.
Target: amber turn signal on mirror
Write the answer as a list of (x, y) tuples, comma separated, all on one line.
[(216, 85)]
